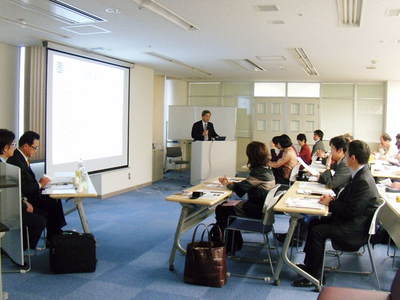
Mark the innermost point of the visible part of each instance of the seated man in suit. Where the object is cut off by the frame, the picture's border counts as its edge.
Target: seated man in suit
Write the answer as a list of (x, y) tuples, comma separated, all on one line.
[(203, 130), (32, 189), (318, 148), (351, 213), (338, 173), (30, 218)]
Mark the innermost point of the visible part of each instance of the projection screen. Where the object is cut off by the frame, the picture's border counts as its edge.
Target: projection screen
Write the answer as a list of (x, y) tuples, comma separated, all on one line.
[(87, 113)]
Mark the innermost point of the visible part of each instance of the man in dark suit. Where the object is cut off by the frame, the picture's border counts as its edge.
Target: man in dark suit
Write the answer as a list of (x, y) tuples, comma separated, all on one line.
[(35, 222), (351, 214), (32, 189), (203, 130), (338, 174)]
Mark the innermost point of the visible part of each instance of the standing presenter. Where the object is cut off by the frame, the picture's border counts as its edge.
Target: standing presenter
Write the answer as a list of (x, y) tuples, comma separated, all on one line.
[(203, 130)]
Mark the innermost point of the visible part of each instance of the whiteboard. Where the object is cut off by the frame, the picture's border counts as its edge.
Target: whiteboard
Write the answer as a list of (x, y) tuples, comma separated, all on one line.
[(181, 119)]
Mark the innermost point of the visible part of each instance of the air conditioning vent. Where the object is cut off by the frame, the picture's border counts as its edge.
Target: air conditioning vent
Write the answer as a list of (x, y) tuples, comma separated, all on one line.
[(59, 11), (267, 8)]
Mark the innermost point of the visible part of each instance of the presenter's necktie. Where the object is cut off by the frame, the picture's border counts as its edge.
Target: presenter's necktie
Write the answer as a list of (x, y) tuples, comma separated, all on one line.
[(205, 128)]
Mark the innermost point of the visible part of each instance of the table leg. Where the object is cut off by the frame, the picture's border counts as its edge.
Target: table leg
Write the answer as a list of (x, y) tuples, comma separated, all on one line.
[(79, 206), (178, 232), (3, 295), (284, 259)]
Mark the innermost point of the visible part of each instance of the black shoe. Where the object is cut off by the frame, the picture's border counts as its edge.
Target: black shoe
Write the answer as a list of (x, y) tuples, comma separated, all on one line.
[(302, 283)]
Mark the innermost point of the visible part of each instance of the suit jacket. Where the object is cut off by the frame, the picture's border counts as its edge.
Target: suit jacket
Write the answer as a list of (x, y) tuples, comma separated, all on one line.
[(352, 211), (29, 186), (318, 146), (197, 131), (341, 178)]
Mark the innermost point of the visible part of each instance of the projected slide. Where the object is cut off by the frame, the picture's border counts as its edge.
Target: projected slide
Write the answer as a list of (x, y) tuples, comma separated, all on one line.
[(87, 113)]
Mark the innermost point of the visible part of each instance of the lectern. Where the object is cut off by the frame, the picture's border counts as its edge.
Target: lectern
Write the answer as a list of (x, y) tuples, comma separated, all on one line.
[(211, 159)]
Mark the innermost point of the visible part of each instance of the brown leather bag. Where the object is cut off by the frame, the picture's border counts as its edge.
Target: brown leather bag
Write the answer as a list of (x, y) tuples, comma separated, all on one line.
[(205, 262)]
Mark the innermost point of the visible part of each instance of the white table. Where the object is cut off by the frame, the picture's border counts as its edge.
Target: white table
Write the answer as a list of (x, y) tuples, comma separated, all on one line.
[(295, 214), (77, 198)]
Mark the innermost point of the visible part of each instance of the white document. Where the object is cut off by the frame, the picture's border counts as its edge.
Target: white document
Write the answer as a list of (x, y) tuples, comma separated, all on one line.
[(309, 169), (51, 191), (311, 203), (308, 188)]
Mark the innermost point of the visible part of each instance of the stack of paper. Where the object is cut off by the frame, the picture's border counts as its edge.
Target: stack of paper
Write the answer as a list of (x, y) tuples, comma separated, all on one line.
[(311, 203)]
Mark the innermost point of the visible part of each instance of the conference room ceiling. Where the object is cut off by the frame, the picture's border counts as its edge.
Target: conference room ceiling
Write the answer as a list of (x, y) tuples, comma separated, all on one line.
[(230, 31)]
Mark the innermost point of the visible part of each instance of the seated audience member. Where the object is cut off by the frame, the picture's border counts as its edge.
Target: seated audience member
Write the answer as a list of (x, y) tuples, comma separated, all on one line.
[(348, 137), (32, 189), (386, 149), (305, 150), (256, 186), (287, 162), (338, 173), (351, 214), (319, 144), (30, 218), (276, 152)]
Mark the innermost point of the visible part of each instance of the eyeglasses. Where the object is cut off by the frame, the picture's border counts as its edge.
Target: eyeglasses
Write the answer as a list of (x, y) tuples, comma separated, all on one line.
[(35, 147)]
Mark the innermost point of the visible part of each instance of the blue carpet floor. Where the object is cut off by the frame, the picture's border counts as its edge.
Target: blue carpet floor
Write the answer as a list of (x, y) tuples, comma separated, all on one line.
[(134, 233)]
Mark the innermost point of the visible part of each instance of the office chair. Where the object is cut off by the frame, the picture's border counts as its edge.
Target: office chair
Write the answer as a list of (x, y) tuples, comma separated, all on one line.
[(262, 226), (339, 251)]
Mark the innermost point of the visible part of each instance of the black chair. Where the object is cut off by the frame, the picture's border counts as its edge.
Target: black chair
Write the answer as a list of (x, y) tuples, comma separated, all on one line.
[(173, 155)]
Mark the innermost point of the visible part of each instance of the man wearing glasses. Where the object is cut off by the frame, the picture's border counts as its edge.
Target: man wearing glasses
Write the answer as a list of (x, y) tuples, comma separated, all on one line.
[(31, 219), (52, 209)]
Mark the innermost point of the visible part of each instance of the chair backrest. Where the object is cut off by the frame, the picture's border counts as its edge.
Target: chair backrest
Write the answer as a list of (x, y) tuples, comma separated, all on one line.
[(294, 173), (270, 200), (375, 217), (395, 289), (174, 152)]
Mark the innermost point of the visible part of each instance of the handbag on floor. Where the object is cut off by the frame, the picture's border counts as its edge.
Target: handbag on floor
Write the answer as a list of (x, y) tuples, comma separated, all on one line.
[(205, 262), (72, 252)]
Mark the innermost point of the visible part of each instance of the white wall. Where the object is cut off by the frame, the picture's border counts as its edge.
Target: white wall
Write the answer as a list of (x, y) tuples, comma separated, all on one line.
[(392, 108), (9, 87), (140, 137)]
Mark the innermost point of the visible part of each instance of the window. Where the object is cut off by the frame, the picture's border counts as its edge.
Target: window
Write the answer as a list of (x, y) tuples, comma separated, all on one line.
[(269, 89), (304, 90)]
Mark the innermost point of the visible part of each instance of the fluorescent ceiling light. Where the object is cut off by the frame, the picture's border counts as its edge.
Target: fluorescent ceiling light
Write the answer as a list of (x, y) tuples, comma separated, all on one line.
[(177, 62), (247, 64), (272, 58), (349, 12), (302, 57), (23, 24), (166, 13)]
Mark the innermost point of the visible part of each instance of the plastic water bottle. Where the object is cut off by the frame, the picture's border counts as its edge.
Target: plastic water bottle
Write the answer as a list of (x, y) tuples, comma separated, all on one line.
[(82, 177)]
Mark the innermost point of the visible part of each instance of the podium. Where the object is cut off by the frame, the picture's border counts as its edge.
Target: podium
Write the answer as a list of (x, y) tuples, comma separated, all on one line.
[(212, 159)]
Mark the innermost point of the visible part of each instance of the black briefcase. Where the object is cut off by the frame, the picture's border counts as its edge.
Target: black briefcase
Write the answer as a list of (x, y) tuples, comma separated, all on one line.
[(72, 252)]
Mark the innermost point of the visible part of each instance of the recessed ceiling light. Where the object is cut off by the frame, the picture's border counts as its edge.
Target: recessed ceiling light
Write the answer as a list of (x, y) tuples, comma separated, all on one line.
[(267, 8), (371, 68), (114, 11), (381, 41), (300, 14), (373, 61), (349, 12)]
